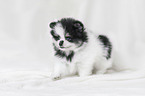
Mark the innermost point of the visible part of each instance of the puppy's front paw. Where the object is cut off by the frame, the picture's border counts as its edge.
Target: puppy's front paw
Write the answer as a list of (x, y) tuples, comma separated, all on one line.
[(101, 72), (84, 74), (56, 77)]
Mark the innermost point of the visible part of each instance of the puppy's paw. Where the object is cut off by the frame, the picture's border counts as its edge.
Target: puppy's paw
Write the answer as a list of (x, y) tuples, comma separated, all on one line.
[(56, 77), (101, 72), (84, 74)]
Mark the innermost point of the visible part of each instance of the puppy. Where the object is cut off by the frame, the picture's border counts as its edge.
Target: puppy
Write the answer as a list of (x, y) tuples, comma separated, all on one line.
[(78, 51)]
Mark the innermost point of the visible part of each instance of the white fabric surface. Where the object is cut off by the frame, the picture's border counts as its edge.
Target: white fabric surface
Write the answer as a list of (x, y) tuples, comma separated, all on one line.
[(25, 47)]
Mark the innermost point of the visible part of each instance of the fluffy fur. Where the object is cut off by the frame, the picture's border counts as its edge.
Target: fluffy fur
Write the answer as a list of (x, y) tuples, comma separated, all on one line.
[(78, 51)]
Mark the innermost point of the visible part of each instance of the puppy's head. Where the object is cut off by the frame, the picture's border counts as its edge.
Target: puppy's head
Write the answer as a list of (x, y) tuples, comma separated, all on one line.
[(68, 34)]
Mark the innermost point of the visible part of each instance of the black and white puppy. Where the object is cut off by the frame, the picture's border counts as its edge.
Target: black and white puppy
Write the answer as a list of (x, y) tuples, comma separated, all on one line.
[(78, 51)]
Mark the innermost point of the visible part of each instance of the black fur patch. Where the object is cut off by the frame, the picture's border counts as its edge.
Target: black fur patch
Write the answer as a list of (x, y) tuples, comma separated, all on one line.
[(75, 29), (52, 24), (107, 45), (62, 54)]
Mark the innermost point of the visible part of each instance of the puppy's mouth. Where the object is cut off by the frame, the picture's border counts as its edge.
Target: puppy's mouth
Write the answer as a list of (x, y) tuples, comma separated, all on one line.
[(64, 47)]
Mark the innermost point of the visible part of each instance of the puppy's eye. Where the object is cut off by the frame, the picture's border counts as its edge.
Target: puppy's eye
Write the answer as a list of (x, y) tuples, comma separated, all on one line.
[(68, 38)]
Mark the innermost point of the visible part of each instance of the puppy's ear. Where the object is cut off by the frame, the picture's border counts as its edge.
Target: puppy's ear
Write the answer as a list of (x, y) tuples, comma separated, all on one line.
[(79, 25), (52, 24)]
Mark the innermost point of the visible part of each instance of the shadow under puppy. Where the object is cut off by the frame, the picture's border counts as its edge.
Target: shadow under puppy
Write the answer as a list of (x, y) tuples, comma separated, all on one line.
[(78, 51)]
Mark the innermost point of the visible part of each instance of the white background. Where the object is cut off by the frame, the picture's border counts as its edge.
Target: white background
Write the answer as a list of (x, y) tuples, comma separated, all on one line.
[(25, 45)]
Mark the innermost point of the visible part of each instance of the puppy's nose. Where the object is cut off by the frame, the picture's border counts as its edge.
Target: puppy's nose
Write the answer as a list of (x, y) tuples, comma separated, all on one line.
[(61, 43)]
